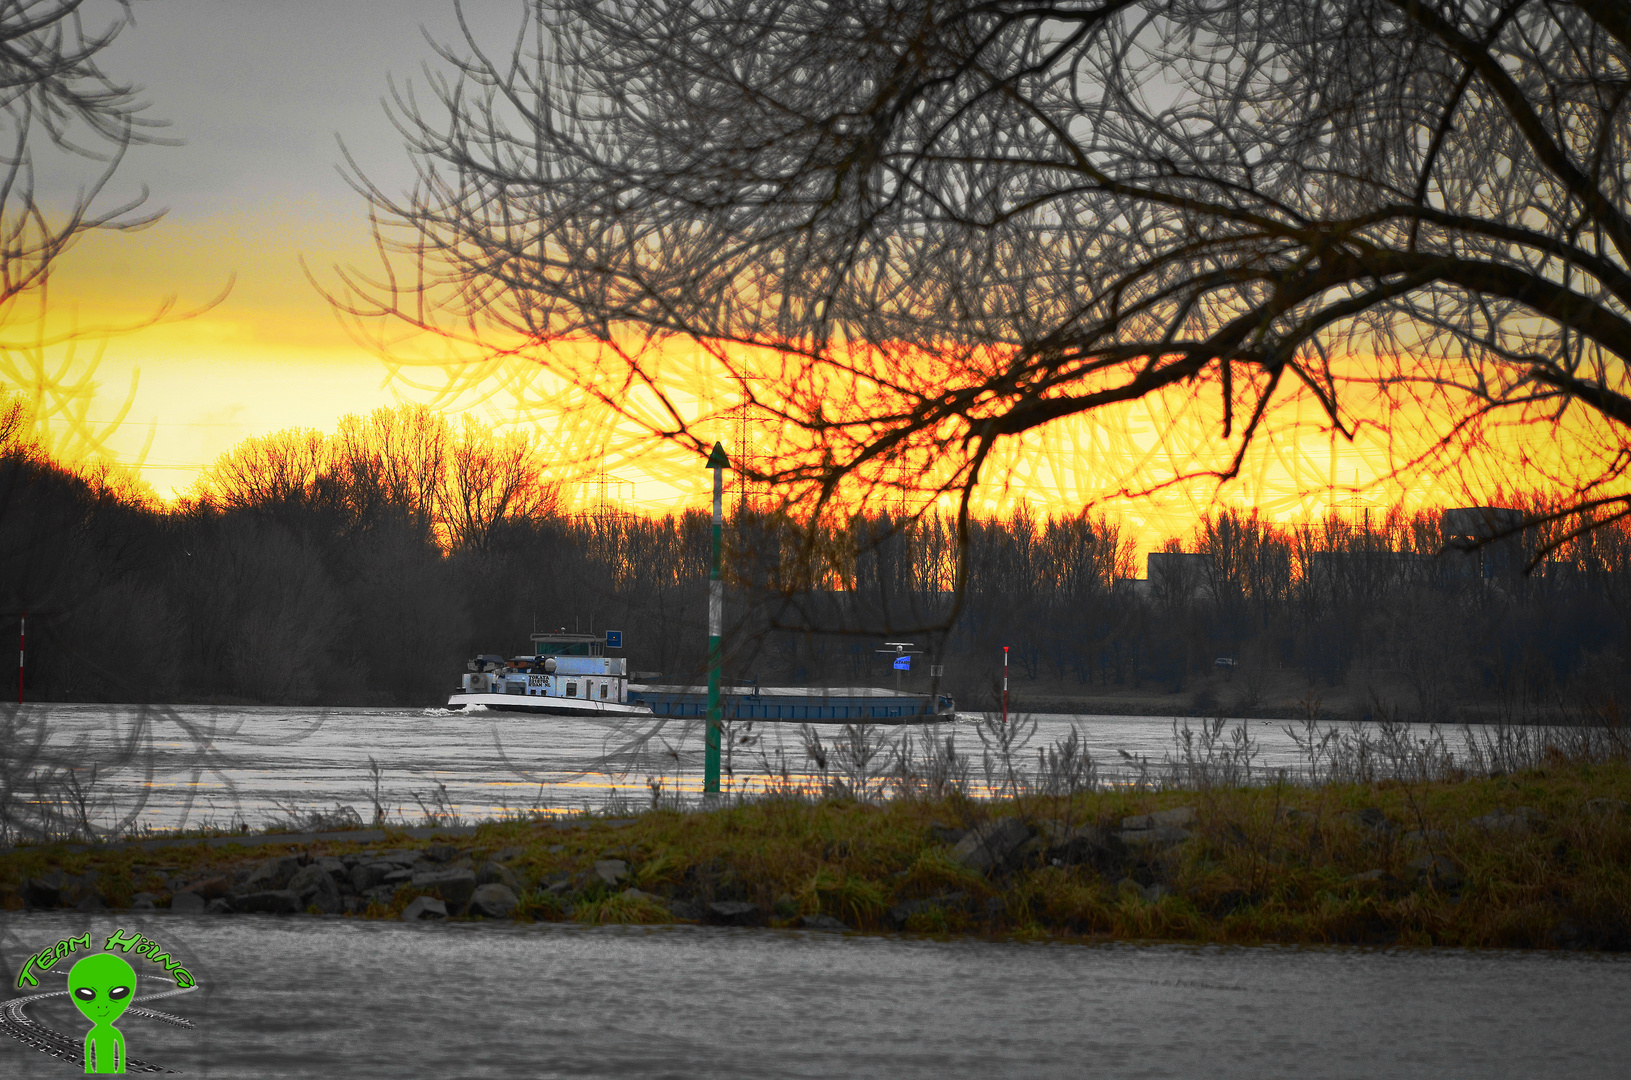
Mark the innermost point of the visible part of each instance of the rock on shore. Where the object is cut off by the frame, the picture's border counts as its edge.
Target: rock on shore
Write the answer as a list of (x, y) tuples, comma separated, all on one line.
[(456, 886), (424, 907), (494, 900)]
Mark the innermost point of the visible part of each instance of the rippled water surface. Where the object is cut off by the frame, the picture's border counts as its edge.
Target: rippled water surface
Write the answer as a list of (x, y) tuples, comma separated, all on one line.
[(344, 999), (195, 764)]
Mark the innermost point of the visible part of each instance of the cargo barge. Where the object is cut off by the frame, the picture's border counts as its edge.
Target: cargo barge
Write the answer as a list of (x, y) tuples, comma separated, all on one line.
[(571, 675)]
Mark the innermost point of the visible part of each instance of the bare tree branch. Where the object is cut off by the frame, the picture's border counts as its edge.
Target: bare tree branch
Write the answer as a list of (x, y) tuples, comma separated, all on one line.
[(913, 233)]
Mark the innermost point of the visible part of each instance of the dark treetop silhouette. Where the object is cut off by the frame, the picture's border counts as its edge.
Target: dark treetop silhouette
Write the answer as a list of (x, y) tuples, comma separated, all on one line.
[(910, 233)]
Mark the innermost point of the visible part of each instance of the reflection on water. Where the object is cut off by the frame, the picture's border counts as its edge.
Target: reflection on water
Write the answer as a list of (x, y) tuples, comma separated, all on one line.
[(201, 764), (314, 997)]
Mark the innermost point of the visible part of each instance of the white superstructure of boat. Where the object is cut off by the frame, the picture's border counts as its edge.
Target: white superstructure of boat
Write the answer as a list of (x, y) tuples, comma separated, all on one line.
[(564, 675)]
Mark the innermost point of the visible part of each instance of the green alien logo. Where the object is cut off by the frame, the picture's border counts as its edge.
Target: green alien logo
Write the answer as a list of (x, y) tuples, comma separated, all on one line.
[(102, 987)]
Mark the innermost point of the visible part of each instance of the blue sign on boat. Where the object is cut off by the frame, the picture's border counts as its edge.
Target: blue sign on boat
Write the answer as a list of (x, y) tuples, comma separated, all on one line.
[(903, 663), (614, 639)]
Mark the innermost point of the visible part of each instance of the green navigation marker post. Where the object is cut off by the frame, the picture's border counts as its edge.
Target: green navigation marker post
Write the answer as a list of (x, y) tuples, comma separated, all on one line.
[(718, 462)]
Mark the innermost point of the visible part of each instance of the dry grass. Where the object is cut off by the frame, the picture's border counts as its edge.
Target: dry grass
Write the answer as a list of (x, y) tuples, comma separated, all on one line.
[(1378, 843), (1262, 864)]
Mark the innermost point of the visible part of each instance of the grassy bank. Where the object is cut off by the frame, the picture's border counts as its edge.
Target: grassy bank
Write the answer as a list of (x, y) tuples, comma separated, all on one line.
[(1539, 858), (1275, 695)]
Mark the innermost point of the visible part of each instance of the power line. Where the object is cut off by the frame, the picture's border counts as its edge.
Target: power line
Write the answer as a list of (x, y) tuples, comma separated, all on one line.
[(171, 423)]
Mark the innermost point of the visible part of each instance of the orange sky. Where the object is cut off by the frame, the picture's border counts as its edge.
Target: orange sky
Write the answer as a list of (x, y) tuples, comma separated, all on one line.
[(254, 191), (272, 355)]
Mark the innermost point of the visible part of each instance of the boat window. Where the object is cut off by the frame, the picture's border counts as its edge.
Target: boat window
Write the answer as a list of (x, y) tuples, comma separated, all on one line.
[(566, 648), (603, 691), (571, 689)]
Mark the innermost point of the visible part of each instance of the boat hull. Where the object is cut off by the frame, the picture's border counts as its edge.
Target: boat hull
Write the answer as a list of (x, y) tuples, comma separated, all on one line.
[(797, 704), (548, 706), (794, 705)]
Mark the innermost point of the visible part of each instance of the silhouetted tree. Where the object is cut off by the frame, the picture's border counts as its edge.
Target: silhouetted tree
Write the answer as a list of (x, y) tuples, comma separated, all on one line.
[(910, 233), (488, 480), (279, 475)]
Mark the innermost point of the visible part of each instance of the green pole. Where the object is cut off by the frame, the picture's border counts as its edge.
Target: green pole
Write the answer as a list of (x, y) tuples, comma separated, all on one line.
[(716, 625)]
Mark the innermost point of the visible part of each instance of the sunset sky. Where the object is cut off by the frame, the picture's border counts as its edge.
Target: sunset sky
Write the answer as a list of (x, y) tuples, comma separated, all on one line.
[(259, 95)]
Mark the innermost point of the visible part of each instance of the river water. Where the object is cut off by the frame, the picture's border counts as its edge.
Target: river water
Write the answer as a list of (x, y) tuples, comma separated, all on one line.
[(168, 767), (333, 997), (338, 998)]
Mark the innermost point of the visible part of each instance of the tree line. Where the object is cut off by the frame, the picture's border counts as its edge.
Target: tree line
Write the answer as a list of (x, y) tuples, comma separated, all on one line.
[(1413, 613), (916, 235), (364, 566)]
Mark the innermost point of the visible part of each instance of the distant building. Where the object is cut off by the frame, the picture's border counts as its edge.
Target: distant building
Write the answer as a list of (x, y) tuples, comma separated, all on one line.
[(1491, 539), (1131, 586), (1487, 542)]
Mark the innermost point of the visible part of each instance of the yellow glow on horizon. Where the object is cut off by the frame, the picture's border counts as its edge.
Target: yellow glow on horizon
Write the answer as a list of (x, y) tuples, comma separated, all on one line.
[(1298, 470), (272, 355)]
